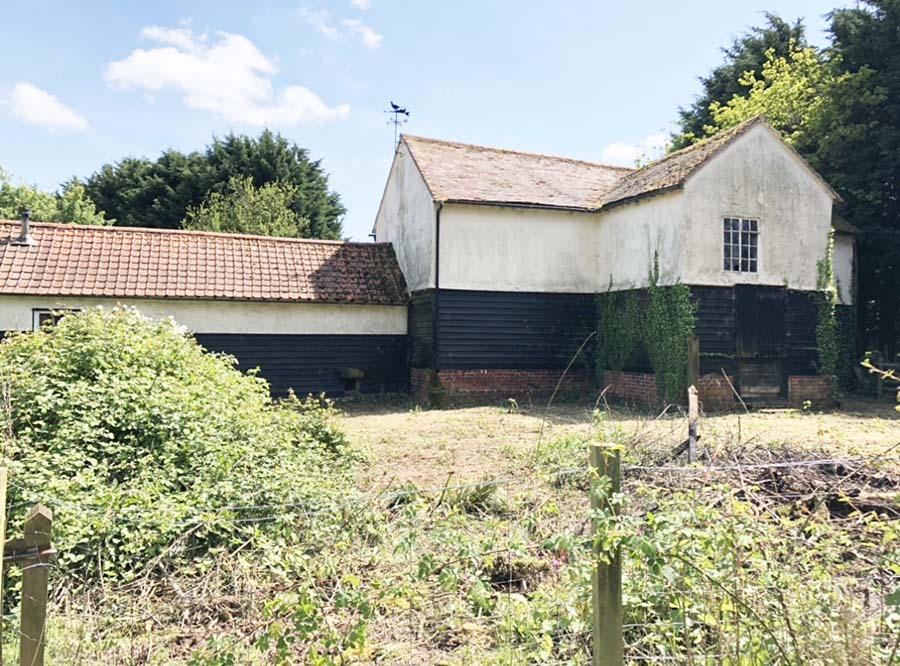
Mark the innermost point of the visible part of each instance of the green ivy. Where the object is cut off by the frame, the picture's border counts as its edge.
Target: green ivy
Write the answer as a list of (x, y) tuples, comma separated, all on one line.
[(625, 333), (619, 329), (828, 338), (669, 324)]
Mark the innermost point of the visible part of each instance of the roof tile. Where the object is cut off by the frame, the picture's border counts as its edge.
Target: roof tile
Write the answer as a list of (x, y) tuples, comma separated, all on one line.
[(154, 263)]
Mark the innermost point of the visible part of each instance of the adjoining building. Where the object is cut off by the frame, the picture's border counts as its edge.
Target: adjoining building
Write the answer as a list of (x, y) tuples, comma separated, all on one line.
[(314, 316)]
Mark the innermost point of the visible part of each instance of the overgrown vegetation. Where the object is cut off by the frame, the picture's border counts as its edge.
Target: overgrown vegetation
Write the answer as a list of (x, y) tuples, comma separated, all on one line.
[(68, 206), (619, 332), (827, 330), (154, 450), (627, 336)]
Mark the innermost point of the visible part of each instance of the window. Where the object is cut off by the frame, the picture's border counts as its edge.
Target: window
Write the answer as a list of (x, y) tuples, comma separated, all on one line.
[(41, 317), (741, 244)]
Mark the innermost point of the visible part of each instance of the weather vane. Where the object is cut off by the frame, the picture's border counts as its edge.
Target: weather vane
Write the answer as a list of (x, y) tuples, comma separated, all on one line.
[(398, 116)]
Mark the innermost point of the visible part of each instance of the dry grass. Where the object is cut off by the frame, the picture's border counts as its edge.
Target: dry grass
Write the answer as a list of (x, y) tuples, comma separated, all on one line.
[(405, 444)]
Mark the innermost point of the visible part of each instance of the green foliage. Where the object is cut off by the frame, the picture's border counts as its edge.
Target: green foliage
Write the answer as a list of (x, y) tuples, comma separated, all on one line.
[(69, 206), (792, 91), (245, 209), (619, 334), (669, 322), (146, 446), (161, 193), (746, 53), (839, 107), (827, 330)]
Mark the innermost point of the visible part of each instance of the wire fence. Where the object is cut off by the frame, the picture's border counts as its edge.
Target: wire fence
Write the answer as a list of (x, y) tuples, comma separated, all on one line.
[(735, 559)]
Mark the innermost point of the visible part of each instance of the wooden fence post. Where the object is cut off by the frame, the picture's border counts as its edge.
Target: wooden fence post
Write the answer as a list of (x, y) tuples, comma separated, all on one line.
[(607, 616), (693, 422), (35, 575), (693, 367)]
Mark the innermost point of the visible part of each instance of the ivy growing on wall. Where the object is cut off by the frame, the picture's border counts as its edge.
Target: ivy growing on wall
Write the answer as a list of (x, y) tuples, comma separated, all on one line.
[(661, 331), (828, 338), (619, 331), (669, 324)]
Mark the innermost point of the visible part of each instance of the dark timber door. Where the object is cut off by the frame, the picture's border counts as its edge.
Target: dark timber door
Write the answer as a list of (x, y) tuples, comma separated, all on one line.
[(759, 329)]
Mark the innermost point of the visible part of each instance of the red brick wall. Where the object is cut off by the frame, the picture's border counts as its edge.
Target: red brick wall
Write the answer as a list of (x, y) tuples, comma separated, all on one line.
[(640, 387), (631, 386), (814, 388), (430, 387), (714, 392)]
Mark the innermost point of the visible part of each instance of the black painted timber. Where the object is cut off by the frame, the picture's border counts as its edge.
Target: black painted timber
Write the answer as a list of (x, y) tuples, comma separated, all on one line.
[(800, 318), (517, 330), (421, 329), (714, 324), (312, 363)]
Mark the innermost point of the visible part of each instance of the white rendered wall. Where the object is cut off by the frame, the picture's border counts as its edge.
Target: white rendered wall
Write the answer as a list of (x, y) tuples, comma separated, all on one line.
[(628, 236), (229, 316), (758, 177), (406, 219), (494, 248), (844, 266)]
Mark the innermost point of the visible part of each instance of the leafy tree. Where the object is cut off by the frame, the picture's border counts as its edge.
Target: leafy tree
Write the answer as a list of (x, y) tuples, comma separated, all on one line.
[(860, 155), (141, 192), (243, 208), (138, 437), (69, 206), (746, 54), (792, 91)]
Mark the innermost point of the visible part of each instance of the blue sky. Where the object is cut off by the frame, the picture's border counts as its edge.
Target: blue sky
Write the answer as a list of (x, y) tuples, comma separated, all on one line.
[(86, 83)]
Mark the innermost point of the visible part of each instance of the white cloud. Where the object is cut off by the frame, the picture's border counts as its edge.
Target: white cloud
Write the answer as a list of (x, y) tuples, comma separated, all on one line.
[(35, 106), (370, 38), (228, 76), (364, 5), (322, 21), (627, 154)]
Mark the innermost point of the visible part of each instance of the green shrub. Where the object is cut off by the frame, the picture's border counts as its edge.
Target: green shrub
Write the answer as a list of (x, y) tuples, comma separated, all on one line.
[(147, 446)]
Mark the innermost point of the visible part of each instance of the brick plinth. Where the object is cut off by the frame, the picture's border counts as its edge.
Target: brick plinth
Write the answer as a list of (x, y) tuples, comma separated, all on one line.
[(431, 387), (631, 386), (640, 387), (817, 389), (715, 393)]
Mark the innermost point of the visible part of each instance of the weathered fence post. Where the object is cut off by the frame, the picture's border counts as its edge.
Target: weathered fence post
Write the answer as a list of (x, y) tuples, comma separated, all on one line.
[(693, 422), (607, 616), (693, 366), (35, 576)]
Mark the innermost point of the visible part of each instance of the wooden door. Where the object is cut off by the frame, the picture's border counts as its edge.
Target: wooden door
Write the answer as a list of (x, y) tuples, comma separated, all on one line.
[(759, 340)]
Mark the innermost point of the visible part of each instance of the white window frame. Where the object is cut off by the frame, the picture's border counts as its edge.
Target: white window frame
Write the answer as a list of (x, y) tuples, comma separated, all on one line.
[(55, 314), (740, 219)]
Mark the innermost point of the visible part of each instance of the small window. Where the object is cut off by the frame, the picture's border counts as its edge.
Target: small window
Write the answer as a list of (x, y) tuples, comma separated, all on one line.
[(41, 317), (741, 245)]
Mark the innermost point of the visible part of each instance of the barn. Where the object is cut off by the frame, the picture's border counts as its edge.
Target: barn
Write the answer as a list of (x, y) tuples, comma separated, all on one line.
[(506, 254), (313, 316)]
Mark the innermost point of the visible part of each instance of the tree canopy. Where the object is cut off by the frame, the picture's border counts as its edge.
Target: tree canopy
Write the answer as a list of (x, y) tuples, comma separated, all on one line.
[(243, 208), (747, 53), (840, 108), (70, 205), (162, 193)]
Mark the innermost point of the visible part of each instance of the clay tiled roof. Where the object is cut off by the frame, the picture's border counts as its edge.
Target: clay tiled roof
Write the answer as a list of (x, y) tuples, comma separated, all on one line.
[(459, 172), (73, 260)]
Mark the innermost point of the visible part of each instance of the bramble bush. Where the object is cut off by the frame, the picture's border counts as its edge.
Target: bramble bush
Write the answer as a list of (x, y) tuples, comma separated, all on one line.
[(150, 449)]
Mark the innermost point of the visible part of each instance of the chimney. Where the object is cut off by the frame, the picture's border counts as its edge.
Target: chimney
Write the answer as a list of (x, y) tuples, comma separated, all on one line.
[(25, 234)]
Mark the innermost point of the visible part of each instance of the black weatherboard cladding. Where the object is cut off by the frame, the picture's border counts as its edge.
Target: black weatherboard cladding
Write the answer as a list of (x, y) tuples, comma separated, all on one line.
[(516, 330), (312, 363), (716, 327), (421, 327)]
